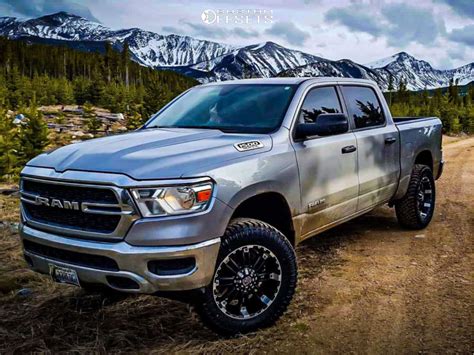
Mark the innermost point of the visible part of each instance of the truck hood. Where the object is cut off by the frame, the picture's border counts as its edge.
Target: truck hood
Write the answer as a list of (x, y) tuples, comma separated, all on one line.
[(153, 153)]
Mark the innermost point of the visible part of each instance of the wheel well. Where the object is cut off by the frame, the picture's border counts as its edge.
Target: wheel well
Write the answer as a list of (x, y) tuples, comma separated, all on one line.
[(269, 207), (425, 158)]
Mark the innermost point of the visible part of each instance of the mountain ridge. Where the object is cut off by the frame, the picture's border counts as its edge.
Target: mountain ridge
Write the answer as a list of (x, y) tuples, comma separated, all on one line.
[(212, 61)]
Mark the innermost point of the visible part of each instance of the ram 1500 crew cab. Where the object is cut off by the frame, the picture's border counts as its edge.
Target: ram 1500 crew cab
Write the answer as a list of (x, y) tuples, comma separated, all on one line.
[(213, 193)]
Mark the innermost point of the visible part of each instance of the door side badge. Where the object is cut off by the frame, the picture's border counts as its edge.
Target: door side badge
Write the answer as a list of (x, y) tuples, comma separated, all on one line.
[(250, 145)]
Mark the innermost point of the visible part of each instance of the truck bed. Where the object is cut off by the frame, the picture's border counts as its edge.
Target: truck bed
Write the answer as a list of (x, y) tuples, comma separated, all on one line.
[(417, 134), (404, 120)]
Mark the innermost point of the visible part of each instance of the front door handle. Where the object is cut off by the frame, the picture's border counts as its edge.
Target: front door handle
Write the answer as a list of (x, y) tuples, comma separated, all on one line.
[(349, 149), (390, 140)]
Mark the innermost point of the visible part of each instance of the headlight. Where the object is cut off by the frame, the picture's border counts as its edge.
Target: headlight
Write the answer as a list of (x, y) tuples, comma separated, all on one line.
[(173, 200)]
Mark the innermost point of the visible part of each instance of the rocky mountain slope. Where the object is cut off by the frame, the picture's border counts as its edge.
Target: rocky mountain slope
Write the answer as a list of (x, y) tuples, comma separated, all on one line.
[(148, 48), (211, 61)]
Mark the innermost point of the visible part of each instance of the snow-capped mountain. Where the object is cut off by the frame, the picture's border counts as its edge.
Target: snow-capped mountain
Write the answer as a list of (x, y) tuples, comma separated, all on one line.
[(339, 68), (61, 26), (261, 60), (211, 61), (148, 48), (418, 73)]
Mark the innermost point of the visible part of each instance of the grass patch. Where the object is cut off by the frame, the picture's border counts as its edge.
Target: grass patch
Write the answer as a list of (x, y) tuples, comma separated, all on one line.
[(9, 209)]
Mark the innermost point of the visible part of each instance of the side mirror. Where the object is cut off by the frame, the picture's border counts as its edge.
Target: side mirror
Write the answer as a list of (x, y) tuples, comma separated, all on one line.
[(327, 124)]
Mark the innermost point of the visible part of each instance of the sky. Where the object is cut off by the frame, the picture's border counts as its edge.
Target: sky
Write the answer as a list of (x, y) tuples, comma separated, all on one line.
[(438, 31)]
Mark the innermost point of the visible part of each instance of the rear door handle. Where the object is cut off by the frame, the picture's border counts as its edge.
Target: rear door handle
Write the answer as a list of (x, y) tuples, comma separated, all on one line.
[(349, 149), (390, 140)]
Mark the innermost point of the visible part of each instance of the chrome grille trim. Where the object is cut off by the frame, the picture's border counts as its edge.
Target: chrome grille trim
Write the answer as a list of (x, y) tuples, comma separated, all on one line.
[(125, 203)]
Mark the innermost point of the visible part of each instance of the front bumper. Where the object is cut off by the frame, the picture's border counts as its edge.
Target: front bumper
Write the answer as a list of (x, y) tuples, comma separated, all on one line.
[(132, 261)]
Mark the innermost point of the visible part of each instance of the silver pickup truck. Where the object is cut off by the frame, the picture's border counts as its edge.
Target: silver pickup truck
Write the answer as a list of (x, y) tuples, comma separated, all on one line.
[(211, 196)]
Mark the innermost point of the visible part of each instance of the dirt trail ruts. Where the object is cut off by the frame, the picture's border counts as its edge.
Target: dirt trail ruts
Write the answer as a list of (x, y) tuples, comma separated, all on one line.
[(407, 291), (367, 286)]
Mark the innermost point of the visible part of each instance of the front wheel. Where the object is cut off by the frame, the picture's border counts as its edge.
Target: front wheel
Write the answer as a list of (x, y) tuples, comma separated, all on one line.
[(254, 280), (416, 208)]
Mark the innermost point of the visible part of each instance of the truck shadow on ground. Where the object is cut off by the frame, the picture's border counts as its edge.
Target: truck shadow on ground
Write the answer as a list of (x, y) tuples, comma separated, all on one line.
[(74, 320), (380, 220)]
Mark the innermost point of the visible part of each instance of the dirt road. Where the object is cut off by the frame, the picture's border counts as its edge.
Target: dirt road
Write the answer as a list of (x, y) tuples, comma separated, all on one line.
[(365, 287)]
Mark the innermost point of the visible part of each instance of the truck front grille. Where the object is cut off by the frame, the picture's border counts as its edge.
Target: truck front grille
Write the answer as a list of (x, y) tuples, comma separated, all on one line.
[(72, 219), (66, 192), (76, 209)]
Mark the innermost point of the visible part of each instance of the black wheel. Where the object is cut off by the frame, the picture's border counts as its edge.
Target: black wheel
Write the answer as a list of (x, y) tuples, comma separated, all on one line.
[(416, 208), (254, 281)]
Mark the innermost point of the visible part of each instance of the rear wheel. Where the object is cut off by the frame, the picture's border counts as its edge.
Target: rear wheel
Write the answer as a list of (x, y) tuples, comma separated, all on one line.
[(415, 210), (254, 281)]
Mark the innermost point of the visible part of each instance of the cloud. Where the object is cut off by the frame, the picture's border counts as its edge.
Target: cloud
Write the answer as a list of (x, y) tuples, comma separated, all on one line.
[(399, 23), (457, 53), (464, 35), (357, 18), (213, 32), (36, 8), (243, 33), (461, 7), (172, 29), (210, 31), (289, 32), (445, 63), (411, 24)]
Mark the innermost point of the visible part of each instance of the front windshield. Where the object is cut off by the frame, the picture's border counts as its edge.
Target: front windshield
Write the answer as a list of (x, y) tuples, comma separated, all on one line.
[(240, 108)]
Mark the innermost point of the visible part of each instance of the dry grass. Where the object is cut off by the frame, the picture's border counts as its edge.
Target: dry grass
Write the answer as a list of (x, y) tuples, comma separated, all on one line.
[(367, 286), (56, 318), (64, 318), (9, 208)]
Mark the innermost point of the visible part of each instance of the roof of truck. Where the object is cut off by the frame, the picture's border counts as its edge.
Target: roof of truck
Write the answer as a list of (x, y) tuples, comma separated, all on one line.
[(292, 80)]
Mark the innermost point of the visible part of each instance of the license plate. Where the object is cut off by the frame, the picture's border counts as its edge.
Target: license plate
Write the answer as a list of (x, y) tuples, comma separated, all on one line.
[(63, 275)]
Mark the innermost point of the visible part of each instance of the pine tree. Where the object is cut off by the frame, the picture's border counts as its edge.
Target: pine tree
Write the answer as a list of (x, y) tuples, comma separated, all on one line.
[(108, 60), (424, 97), (92, 122), (155, 97), (125, 59), (390, 88), (470, 121), (60, 75), (3, 92), (33, 135), (471, 93), (96, 88), (468, 113), (9, 146), (50, 75), (402, 92), (134, 121), (454, 122), (453, 92)]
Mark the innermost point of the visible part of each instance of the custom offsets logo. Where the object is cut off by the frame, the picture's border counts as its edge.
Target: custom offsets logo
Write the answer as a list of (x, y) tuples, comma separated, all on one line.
[(237, 17)]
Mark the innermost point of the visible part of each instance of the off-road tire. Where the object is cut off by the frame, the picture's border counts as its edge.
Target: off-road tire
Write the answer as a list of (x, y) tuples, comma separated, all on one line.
[(407, 208), (240, 233)]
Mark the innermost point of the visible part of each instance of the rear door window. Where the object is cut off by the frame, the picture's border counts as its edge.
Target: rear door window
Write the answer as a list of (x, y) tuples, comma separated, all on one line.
[(363, 106), (318, 101)]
